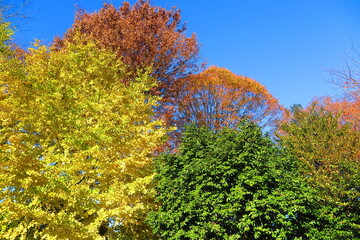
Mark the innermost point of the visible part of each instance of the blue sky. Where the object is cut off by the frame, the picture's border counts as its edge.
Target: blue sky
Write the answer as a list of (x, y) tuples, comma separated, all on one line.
[(287, 45)]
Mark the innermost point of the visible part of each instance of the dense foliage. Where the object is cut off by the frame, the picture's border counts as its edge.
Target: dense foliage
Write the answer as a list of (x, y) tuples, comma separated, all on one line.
[(76, 145), (5, 35), (329, 153), (83, 125), (328, 149), (143, 36), (233, 184)]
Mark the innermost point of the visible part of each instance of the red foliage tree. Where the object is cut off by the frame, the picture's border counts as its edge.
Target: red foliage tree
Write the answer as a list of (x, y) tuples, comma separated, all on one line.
[(143, 36)]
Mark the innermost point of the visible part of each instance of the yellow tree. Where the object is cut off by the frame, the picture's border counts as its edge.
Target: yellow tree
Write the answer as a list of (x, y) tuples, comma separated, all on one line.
[(5, 34), (76, 146)]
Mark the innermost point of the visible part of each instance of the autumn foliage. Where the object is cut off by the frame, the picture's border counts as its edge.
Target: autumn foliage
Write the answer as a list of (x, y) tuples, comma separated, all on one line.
[(76, 146), (143, 36), (325, 139), (328, 149), (348, 109), (82, 123), (219, 98), (348, 78)]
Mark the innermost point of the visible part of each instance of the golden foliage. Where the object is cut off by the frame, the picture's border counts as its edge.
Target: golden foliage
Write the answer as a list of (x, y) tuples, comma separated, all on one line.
[(76, 146)]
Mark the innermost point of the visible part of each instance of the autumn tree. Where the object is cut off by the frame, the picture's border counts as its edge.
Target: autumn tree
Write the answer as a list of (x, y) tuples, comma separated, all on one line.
[(5, 36), (348, 78), (141, 35), (76, 146), (347, 108), (329, 152), (328, 149), (236, 184), (219, 98)]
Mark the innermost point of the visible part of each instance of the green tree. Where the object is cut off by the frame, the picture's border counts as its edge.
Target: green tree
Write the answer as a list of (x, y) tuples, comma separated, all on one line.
[(75, 158), (233, 184)]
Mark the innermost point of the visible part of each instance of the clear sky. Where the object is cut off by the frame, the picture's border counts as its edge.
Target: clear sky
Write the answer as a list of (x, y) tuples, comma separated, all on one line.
[(287, 45)]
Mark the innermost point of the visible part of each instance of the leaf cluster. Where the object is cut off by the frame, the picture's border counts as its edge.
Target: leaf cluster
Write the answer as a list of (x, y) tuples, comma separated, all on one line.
[(233, 184), (143, 36), (76, 146), (327, 148)]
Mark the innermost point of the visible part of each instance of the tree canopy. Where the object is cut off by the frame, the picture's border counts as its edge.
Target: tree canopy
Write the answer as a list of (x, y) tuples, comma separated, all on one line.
[(143, 36), (348, 78), (76, 146), (218, 98), (5, 35), (84, 122), (328, 149), (234, 184)]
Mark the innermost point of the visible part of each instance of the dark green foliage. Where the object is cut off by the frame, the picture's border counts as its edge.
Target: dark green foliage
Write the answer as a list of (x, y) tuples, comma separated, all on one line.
[(233, 184)]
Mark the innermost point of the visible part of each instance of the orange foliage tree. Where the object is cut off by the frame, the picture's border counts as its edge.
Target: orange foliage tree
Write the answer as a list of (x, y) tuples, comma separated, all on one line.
[(143, 36), (219, 98), (348, 109), (348, 78)]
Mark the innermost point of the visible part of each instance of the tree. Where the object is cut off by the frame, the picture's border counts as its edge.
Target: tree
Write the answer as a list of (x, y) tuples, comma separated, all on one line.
[(329, 152), (328, 149), (347, 109), (348, 78), (142, 36), (219, 98), (12, 8), (234, 184), (5, 36), (76, 146)]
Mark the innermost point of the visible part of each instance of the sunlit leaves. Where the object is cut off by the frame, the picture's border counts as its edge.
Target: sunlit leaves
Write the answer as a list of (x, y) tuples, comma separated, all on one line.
[(328, 149), (219, 98), (143, 36), (5, 34), (231, 184), (347, 109), (76, 145)]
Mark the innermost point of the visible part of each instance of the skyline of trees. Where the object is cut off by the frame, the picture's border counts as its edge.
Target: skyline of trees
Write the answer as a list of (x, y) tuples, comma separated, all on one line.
[(84, 121)]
